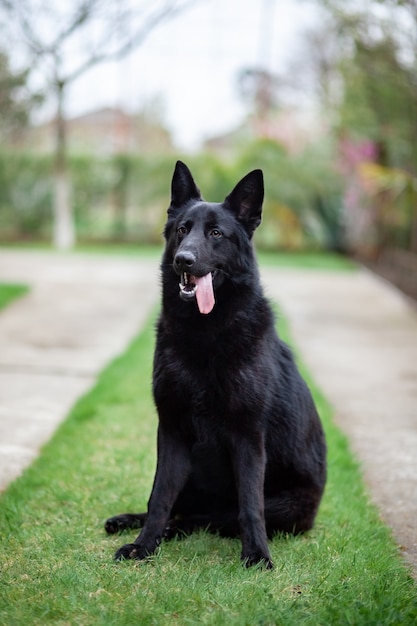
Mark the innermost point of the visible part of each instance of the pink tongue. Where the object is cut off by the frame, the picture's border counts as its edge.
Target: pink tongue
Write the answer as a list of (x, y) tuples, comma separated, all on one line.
[(204, 293)]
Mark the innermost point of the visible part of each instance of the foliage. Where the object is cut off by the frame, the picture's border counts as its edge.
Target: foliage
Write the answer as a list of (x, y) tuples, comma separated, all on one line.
[(370, 95), (100, 31), (303, 195), (380, 100), (125, 197), (16, 102), (53, 550), (394, 195), (25, 195)]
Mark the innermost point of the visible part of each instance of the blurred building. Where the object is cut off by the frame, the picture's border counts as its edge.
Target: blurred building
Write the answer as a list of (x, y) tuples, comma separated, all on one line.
[(294, 129), (105, 131)]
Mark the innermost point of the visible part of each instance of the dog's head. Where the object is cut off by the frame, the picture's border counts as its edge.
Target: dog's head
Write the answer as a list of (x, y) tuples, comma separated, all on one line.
[(207, 242)]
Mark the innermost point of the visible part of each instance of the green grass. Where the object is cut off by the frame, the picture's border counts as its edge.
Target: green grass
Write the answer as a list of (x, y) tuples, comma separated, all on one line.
[(296, 259), (112, 249), (307, 260), (9, 292), (56, 562)]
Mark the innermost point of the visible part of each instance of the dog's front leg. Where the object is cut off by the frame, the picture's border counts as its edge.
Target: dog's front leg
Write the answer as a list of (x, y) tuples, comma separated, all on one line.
[(173, 468), (249, 460)]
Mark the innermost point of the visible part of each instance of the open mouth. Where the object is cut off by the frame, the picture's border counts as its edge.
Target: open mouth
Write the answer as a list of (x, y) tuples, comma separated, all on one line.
[(199, 287), (188, 286)]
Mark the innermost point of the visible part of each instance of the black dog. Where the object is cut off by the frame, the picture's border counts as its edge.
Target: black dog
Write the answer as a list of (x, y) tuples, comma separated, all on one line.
[(240, 445)]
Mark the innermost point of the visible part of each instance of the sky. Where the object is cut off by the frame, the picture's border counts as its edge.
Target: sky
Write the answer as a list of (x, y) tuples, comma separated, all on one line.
[(191, 64)]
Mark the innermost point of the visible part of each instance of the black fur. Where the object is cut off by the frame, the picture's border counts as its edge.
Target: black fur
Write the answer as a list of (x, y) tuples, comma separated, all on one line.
[(240, 445)]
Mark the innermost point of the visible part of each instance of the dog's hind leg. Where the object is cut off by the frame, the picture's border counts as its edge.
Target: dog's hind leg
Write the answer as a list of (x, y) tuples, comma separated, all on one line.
[(127, 521), (291, 511)]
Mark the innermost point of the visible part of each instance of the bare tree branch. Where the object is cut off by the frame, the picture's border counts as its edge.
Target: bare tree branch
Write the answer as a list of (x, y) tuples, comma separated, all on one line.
[(82, 14), (133, 41), (112, 29), (18, 11), (114, 19)]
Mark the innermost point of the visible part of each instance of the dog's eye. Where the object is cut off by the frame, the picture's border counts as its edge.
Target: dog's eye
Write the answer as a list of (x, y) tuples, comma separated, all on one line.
[(181, 230), (215, 233)]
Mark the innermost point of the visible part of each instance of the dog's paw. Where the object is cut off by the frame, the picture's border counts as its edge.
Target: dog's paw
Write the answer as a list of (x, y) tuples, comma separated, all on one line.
[(131, 551), (263, 560), (112, 526), (127, 521)]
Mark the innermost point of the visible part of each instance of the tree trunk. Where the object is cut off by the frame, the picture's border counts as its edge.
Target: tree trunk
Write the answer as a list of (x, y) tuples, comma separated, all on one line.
[(63, 228)]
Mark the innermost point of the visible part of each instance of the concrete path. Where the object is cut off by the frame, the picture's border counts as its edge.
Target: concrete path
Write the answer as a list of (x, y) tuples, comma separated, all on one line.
[(81, 312), (357, 335)]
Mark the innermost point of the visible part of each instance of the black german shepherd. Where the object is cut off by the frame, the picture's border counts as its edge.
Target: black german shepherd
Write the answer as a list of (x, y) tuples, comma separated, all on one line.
[(241, 450)]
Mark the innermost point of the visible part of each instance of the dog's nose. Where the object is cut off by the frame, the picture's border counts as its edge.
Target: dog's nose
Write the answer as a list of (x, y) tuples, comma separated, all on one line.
[(184, 261)]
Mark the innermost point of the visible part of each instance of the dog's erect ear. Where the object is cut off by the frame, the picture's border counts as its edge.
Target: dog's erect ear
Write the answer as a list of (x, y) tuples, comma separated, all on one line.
[(183, 187), (246, 200)]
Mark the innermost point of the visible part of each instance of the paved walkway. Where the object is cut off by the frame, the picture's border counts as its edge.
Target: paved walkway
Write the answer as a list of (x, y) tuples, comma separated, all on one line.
[(81, 312), (357, 335)]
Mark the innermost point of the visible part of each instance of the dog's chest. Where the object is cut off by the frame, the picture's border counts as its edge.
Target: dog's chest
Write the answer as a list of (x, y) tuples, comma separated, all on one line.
[(202, 371), (211, 465)]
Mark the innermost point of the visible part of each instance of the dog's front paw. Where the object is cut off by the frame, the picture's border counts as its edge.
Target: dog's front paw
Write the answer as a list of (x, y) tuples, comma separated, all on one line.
[(113, 525), (127, 521), (264, 560), (131, 551)]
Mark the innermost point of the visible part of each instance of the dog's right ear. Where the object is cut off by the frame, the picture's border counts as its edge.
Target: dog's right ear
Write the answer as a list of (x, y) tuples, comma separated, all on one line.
[(183, 188)]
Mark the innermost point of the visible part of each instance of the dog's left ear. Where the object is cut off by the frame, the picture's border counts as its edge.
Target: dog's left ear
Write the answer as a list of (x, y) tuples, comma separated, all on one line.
[(246, 200)]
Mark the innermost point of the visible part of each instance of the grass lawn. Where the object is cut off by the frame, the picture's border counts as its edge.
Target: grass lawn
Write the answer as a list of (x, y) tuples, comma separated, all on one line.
[(9, 292), (307, 260), (56, 563), (297, 259)]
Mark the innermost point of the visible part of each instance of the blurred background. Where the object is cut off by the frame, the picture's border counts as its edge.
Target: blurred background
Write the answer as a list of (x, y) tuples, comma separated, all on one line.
[(99, 98)]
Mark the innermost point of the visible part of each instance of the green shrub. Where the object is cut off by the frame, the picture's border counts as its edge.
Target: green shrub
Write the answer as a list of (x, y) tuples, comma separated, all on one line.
[(125, 197)]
